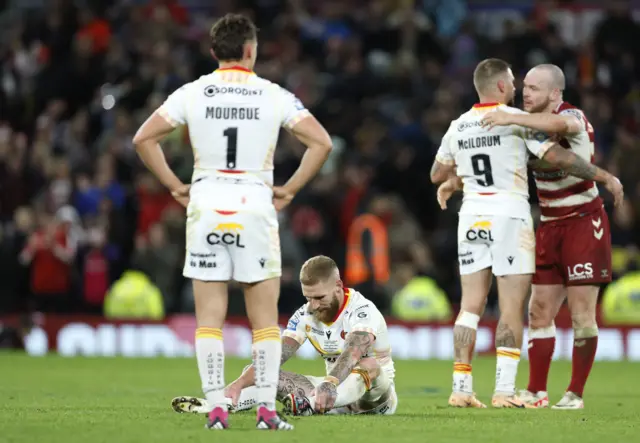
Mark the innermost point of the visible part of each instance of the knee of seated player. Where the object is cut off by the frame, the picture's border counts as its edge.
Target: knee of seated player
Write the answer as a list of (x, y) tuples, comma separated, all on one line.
[(371, 366)]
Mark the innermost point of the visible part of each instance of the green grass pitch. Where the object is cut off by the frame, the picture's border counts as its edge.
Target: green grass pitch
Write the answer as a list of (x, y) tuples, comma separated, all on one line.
[(93, 400)]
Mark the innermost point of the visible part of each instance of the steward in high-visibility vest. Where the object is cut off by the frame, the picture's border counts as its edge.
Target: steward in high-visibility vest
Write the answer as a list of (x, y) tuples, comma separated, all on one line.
[(357, 270), (134, 296), (421, 300)]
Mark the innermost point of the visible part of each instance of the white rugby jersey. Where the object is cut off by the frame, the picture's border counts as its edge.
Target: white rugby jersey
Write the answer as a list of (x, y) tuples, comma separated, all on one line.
[(234, 119), (492, 162), (562, 195), (356, 314)]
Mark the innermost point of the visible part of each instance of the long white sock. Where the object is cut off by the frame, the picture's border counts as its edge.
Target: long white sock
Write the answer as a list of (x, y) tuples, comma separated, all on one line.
[(350, 390), (210, 356), (248, 398), (267, 351), (507, 370)]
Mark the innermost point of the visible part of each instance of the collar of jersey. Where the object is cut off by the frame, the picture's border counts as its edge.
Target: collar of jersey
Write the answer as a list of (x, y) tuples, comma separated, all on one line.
[(486, 105), (235, 68), (347, 295)]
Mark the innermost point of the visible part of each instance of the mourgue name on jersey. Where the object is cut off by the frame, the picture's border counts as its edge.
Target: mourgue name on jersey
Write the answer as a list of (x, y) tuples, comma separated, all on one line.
[(232, 113), (484, 141)]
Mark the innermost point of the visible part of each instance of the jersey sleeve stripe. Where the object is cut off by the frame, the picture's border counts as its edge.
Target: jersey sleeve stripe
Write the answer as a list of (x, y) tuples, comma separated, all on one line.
[(363, 329), (297, 119), (293, 335), (444, 161), (162, 112), (544, 147)]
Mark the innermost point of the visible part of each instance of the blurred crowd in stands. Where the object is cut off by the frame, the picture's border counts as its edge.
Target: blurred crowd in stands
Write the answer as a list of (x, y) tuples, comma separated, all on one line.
[(386, 77)]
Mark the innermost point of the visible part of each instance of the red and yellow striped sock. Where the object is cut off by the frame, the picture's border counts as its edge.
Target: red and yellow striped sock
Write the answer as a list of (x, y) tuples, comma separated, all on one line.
[(463, 368), (462, 378)]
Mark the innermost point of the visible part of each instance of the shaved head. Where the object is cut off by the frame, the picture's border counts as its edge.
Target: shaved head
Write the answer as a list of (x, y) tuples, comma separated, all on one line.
[(554, 75), (543, 87)]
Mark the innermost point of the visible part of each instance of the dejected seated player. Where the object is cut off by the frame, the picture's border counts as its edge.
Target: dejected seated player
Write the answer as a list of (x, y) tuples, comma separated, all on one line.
[(348, 332)]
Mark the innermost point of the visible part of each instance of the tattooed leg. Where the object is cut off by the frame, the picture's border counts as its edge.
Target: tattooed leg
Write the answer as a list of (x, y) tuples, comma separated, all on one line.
[(475, 288), (464, 339), (505, 337)]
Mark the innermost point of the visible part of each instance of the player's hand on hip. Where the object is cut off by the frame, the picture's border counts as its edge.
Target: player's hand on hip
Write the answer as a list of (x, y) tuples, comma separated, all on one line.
[(614, 186), (281, 197), (326, 394), (181, 194), (495, 118), (445, 191)]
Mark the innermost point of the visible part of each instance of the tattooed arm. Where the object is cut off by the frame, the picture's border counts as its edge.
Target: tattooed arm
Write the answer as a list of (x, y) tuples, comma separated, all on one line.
[(441, 172), (578, 167), (356, 346)]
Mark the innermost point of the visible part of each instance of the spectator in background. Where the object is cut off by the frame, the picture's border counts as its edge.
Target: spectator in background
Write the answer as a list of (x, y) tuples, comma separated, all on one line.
[(153, 201), (14, 274), (159, 259), (385, 77), (51, 251), (95, 265)]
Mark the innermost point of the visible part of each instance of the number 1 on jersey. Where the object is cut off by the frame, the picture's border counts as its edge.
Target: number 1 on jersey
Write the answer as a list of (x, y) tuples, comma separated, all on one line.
[(481, 164), (232, 146)]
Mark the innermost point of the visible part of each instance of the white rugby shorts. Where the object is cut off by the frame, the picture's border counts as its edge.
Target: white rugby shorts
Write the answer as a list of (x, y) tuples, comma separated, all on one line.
[(232, 233), (505, 244)]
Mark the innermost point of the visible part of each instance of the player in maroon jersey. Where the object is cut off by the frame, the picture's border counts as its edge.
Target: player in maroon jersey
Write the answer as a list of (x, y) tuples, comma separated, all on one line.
[(573, 242)]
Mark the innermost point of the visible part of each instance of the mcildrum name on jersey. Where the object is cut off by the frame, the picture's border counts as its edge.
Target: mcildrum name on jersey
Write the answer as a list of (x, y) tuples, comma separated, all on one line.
[(232, 113), (485, 141)]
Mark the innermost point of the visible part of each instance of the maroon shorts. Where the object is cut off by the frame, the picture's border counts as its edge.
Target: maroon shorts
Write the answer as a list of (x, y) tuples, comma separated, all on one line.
[(575, 251)]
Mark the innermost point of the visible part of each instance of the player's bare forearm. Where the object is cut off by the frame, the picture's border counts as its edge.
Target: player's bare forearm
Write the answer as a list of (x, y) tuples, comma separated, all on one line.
[(312, 160), (146, 141), (289, 348), (356, 346), (440, 172), (574, 165), (318, 142), (547, 122), (153, 158)]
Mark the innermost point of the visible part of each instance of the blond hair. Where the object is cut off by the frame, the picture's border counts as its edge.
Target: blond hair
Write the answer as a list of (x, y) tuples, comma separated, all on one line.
[(317, 269), (487, 71)]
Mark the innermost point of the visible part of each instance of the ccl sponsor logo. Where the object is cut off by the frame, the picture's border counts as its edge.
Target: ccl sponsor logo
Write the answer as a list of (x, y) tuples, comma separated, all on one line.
[(228, 234), (581, 271), (480, 230)]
